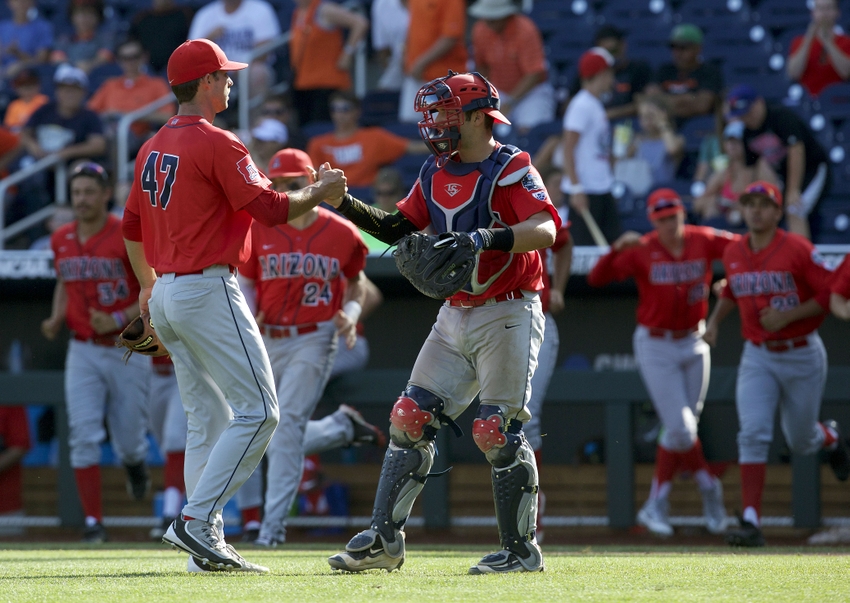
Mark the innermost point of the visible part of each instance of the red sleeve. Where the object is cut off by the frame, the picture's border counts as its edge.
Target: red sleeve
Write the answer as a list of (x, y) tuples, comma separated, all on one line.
[(269, 208), (235, 171), (16, 432), (817, 275), (613, 266), (720, 240), (841, 279), (413, 207), (561, 238), (795, 44), (250, 269), (131, 225)]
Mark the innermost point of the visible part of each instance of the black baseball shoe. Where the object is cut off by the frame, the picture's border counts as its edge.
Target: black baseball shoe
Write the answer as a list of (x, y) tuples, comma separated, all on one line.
[(157, 532), (204, 541), (364, 432), (839, 457), (365, 552), (95, 534), (505, 561), (746, 534), (138, 481)]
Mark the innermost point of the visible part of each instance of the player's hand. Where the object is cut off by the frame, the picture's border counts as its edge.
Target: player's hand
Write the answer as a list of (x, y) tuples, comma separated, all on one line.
[(718, 287), (579, 202), (102, 322), (556, 301), (345, 327), (793, 199), (772, 319), (260, 317), (50, 327), (628, 239), (710, 335), (144, 298), (332, 183)]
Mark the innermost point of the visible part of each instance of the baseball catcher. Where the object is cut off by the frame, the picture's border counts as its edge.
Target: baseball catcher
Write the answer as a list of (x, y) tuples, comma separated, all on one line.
[(139, 336)]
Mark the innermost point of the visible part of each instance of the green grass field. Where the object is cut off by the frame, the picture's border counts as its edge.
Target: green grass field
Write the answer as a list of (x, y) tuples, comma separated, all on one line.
[(127, 573)]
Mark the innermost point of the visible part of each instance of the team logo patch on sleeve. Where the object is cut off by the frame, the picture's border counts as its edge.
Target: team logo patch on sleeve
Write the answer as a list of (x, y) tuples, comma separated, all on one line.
[(532, 182), (248, 170)]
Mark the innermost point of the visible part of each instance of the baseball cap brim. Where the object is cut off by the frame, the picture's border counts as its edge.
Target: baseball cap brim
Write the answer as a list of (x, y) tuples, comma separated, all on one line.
[(233, 66), (745, 197), (667, 211), (497, 115), (275, 175)]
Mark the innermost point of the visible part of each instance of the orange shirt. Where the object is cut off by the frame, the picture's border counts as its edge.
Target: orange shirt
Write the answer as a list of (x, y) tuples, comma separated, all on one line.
[(431, 20), (314, 51), (123, 95), (508, 56), (19, 111), (360, 155)]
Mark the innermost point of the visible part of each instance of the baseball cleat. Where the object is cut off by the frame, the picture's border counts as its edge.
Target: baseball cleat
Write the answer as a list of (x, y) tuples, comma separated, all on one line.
[(839, 457), (747, 534), (203, 541), (196, 566), (713, 509), (506, 560), (158, 532), (138, 481), (267, 541), (364, 432), (654, 517), (95, 534), (365, 552)]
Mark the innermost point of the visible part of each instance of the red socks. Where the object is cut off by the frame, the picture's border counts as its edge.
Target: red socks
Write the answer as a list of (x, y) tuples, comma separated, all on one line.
[(250, 514), (752, 485), (88, 487), (693, 460), (174, 470)]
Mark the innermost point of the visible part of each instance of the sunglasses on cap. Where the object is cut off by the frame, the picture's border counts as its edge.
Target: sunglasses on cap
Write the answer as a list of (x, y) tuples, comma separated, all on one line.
[(665, 204), (92, 170)]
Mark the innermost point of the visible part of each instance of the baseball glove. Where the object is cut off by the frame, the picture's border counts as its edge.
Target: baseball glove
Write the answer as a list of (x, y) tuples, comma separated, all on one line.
[(139, 336), (437, 265)]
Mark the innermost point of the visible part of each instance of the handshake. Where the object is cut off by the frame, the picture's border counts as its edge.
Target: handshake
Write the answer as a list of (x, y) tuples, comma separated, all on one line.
[(332, 183)]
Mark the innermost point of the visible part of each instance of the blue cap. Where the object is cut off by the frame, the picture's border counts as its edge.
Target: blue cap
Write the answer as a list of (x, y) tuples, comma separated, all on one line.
[(740, 99)]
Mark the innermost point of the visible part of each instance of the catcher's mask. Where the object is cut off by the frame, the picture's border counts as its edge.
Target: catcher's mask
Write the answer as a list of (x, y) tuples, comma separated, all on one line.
[(443, 102)]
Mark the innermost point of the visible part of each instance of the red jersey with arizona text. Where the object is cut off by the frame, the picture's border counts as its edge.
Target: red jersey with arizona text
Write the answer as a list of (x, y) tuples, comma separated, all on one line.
[(301, 275), (783, 275), (97, 274), (191, 184), (524, 196), (672, 291)]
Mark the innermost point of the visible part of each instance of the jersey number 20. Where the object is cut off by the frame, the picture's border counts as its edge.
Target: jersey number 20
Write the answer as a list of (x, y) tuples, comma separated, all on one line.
[(167, 166)]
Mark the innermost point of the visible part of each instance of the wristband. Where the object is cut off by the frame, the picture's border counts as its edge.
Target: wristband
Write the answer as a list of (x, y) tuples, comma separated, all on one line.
[(120, 318), (499, 239), (353, 309)]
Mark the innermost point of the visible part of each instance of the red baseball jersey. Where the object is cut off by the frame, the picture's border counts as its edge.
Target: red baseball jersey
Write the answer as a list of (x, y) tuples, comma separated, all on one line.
[(513, 204), (783, 275), (841, 279), (301, 275), (191, 183), (672, 292), (97, 274), (14, 432)]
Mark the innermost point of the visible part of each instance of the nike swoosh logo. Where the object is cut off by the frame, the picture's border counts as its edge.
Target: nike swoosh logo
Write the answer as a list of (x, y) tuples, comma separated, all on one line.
[(268, 246), (511, 326), (373, 552)]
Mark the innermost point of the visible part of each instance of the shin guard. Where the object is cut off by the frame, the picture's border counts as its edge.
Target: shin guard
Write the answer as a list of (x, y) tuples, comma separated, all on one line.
[(515, 494)]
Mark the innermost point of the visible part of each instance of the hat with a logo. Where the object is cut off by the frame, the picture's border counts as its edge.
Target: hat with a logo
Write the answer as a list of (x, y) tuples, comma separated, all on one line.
[(290, 163), (740, 99), (662, 203), (594, 61), (68, 75), (271, 130), (194, 59), (686, 33), (760, 188)]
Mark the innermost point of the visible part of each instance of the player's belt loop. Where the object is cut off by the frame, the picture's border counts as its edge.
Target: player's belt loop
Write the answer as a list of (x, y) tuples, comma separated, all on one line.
[(672, 334), (784, 345), (475, 303)]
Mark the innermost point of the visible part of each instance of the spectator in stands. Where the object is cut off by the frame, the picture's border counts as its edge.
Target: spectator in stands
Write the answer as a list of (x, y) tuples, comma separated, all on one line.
[(27, 87), (267, 138), (62, 214), (630, 76), (90, 43), (780, 137), (279, 107), (710, 160), (132, 90), (161, 29), (692, 85), (390, 19), (25, 39), (238, 27), (822, 56), (435, 43), (388, 189), (9, 151), (587, 150), (508, 50), (320, 58), (725, 186), (655, 151), (358, 151), (14, 443)]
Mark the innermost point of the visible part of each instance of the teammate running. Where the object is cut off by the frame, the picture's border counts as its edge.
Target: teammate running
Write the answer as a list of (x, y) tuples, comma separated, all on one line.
[(487, 336), (97, 295), (781, 288), (186, 225), (672, 269)]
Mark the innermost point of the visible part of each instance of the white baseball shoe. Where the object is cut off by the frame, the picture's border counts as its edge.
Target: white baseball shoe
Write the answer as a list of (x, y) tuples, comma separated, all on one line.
[(196, 566), (204, 541), (713, 509), (366, 551), (654, 517)]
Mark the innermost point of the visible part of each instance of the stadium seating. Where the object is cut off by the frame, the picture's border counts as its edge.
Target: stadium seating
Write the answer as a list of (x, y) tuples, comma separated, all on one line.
[(379, 106), (834, 218)]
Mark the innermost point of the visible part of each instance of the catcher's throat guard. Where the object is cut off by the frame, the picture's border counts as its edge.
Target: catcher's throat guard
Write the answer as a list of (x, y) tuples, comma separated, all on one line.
[(437, 265)]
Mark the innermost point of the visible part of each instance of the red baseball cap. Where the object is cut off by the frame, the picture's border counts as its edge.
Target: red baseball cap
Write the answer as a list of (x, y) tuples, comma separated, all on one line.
[(594, 61), (662, 203), (290, 163), (760, 188), (196, 58)]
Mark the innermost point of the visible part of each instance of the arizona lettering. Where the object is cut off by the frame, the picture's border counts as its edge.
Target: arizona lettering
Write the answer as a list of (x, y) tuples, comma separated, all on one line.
[(299, 265), (766, 282)]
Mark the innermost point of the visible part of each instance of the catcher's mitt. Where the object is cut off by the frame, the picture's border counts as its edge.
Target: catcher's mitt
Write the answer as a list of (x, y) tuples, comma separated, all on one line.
[(139, 336), (437, 265)]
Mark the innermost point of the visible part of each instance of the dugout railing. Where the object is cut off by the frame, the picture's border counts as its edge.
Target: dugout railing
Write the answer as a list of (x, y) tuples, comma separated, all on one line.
[(618, 392)]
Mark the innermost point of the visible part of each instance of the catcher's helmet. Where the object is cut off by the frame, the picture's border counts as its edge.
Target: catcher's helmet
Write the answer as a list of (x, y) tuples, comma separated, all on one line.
[(454, 94)]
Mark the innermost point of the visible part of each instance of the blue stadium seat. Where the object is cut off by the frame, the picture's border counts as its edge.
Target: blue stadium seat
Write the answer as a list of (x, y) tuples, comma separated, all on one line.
[(834, 218), (364, 193), (532, 140), (314, 128), (409, 166), (408, 130), (834, 102), (650, 44), (555, 16), (101, 73), (781, 14), (637, 16), (695, 129), (710, 16), (379, 107)]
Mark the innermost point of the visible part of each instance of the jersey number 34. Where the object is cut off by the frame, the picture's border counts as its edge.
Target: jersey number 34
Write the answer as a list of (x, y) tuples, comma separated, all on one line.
[(153, 165)]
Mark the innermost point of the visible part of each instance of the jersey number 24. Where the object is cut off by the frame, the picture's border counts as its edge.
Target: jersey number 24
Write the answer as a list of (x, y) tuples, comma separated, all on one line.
[(167, 166)]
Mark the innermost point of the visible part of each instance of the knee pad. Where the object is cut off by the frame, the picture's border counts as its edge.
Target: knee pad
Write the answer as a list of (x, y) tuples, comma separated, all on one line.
[(415, 417), (515, 490), (403, 475), (497, 438)]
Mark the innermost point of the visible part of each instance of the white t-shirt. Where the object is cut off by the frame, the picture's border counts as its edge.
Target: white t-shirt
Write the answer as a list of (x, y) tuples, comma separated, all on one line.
[(586, 115), (254, 22), (389, 30)]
